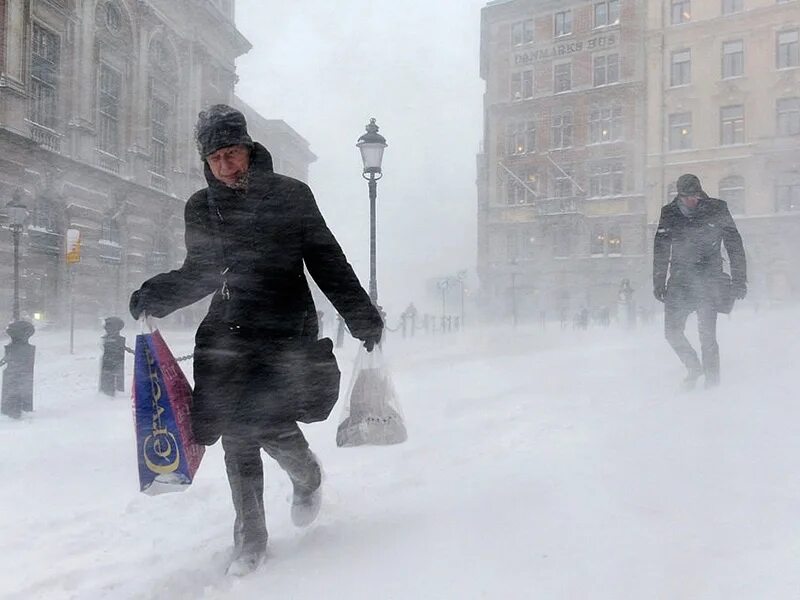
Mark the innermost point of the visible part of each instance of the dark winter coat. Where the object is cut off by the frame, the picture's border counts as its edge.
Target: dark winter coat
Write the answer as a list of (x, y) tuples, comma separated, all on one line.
[(253, 245), (688, 249)]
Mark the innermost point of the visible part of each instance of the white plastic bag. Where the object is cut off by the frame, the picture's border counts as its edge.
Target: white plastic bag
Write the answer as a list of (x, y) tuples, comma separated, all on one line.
[(372, 414)]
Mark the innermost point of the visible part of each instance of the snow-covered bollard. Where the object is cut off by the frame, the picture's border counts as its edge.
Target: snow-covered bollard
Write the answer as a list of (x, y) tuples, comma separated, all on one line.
[(112, 364), (17, 394)]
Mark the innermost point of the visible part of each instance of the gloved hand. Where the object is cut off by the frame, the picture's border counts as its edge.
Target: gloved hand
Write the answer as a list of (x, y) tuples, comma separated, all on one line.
[(137, 304), (372, 340), (739, 289), (660, 292)]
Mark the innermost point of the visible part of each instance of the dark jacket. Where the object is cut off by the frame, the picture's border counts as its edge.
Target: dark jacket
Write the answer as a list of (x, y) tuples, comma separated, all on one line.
[(689, 250), (255, 244)]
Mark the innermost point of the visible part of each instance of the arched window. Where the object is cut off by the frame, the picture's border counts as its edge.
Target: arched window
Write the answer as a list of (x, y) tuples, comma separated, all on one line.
[(731, 189), (114, 48), (164, 77)]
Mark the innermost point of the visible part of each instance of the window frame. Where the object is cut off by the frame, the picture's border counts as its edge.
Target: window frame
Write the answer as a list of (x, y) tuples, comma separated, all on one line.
[(45, 76), (673, 124), (608, 12), (732, 128), (789, 117), (565, 27), (681, 13), (792, 53), (560, 78), (727, 9), (680, 69), (527, 32), (730, 187), (606, 68), (729, 60), (109, 121), (565, 125)]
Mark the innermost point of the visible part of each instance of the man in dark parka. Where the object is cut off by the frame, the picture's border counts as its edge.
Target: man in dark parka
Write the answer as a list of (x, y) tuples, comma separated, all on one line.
[(248, 236), (687, 248)]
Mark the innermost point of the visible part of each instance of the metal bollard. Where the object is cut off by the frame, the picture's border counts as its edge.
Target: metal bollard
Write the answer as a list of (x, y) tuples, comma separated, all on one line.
[(17, 395), (112, 364)]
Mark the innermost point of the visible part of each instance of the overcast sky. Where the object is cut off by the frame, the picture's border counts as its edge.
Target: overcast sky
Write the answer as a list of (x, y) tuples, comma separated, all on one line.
[(326, 68)]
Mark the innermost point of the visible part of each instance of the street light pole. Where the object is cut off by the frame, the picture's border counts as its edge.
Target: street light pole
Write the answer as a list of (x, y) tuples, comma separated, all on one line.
[(16, 231), (372, 145), (17, 214), (372, 183)]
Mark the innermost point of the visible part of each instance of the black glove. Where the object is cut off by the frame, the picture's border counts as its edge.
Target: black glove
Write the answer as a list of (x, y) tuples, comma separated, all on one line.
[(372, 340), (739, 289), (660, 292), (137, 304)]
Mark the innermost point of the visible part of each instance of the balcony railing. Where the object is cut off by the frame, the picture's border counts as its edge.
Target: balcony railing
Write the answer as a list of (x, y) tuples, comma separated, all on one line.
[(108, 162), (159, 182), (45, 137)]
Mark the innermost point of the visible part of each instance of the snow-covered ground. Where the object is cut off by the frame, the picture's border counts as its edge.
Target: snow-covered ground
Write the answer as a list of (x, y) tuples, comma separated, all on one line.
[(540, 464)]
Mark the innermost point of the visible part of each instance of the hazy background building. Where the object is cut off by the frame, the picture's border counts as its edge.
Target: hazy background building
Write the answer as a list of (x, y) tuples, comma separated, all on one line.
[(98, 101), (561, 178), (724, 103), (593, 108)]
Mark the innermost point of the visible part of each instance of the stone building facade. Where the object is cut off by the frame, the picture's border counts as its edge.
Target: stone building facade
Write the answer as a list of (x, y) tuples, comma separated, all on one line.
[(592, 110), (724, 103), (561, 215), (98, 100)]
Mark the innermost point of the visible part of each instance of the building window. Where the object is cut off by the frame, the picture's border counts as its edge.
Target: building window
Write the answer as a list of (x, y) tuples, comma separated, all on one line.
[(108, 106), (562, 182), (561, 130), (529, 243), (522, 85), (44, 76), (787, 193), (606, 13), (788, 116), (731, 125), (731, 189), (681, 11), (681, 72), (109, 231), (522, 188), (562, 77), (732, 6), (680, 131), (563, 23), (732, 59), (606, 69), (605, 124), (606, 179), (597, 243), (520, 138), (113, 17), (614, 241), (522, 32), (512, 245), (788, 51), (562, 242), (159, 136), (672, 191)]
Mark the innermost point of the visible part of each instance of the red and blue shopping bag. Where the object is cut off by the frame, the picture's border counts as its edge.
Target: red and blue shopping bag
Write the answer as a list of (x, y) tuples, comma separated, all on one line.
[(162, 402)]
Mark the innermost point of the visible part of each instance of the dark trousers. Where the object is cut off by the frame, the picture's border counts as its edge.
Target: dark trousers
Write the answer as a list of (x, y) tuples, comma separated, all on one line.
[(287, 445), (674, 326)]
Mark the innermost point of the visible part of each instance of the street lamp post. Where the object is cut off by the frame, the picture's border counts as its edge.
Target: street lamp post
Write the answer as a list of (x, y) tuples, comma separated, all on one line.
[(461, 276), (17, 213), (372, 145), (443, 285), (513, 262)]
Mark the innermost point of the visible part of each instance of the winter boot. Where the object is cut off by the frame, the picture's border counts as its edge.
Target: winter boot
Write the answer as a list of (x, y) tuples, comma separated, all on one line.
[(690, 381), (306, 505), (245, 563)]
